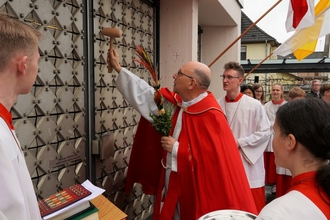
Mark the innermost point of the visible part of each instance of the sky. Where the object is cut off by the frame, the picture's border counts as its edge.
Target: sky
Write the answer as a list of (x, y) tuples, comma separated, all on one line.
[(274, 22)]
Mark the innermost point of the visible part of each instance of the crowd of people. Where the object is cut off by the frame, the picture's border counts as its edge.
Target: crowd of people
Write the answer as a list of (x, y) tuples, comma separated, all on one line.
[(220, 152), (300, 175), (255, 132), (278, 178)]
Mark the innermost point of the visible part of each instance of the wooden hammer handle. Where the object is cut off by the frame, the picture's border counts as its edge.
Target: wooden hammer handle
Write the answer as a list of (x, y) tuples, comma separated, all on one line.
[(110, 68)]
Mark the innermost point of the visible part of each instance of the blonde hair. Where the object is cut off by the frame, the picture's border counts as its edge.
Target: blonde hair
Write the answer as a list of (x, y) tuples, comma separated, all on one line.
[(15, 37), (279, 84)]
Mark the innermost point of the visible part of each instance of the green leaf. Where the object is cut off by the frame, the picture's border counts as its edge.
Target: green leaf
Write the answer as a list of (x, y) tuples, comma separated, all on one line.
[(163, 123)]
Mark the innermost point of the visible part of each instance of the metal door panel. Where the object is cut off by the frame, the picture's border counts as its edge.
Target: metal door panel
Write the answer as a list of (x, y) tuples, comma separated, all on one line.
[(74, 100)]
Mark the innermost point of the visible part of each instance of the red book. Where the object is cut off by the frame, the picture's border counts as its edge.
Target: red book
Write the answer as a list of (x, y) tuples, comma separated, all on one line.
[(62, 199)]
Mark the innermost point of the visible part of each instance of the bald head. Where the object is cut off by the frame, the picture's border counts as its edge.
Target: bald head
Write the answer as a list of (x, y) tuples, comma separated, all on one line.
[(201, 71), (191, 80)]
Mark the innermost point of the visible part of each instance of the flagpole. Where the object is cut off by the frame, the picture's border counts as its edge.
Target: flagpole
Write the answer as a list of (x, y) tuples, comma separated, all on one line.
[(246, 75), (239, 37)]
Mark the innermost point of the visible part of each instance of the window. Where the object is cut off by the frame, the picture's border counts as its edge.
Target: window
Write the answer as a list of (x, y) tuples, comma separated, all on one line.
[(243, 52)]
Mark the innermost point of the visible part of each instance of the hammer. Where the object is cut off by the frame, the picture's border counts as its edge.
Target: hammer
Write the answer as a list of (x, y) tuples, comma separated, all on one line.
[(112, 33)]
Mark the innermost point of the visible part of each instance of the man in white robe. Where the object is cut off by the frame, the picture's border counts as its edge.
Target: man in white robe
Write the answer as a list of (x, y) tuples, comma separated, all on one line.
[(250, 126), (19, 57)]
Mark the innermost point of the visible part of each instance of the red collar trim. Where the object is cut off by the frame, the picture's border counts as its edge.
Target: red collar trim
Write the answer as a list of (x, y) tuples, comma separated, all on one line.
[(302, 177), (236, 99), (5, 114), (279, 102)]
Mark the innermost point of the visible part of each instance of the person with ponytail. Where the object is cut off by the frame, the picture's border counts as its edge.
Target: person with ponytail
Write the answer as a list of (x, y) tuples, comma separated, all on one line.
[(301, 144)]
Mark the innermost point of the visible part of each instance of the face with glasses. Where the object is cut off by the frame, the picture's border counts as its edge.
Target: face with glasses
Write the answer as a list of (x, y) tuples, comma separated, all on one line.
[(182, 80), (316, 86), (258, 93), (231, 80), (179, 73), (188, 79)]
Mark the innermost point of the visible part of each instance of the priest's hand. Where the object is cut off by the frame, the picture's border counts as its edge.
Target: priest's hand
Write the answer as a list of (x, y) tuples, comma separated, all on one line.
[(113, 59), (167, 143)]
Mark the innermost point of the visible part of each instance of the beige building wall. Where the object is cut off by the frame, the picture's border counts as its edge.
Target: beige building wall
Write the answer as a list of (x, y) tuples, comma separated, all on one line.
[(257, 51), (178, 36), (179, 22)]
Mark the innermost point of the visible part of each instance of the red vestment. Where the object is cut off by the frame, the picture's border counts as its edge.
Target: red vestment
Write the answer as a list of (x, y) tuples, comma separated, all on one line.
[(210, 171)]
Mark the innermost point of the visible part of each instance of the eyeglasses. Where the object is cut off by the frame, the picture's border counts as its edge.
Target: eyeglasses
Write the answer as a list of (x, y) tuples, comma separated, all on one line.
[(182, 74), (258, 91), (229, 77)]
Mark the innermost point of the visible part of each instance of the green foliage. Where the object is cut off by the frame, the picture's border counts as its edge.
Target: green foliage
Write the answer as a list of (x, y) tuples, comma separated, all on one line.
[(163, 123)]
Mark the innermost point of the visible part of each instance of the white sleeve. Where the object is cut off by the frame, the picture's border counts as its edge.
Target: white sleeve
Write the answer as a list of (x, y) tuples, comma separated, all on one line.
[(269, 147), (254, 145), (270, 116), (137, 92), (174, 155), (12, 199)]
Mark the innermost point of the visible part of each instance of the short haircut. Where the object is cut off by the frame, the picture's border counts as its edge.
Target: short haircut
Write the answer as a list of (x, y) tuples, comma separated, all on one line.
[(296, 92), (325, 87), (15, 37), (235, 66), (316, 80), (203, 79)]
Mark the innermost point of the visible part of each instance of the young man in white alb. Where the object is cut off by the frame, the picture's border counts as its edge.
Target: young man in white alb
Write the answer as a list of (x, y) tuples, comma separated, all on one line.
[(19, 57), (251, 128)]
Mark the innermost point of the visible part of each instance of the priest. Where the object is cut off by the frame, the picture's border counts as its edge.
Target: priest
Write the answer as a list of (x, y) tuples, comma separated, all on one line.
[(197, 168)]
